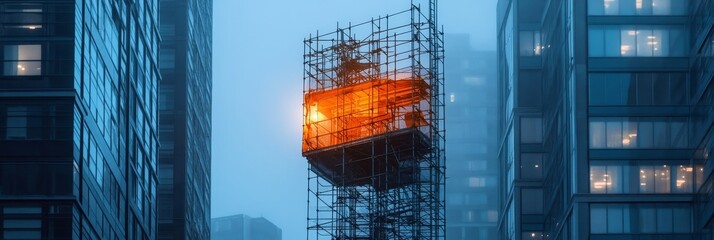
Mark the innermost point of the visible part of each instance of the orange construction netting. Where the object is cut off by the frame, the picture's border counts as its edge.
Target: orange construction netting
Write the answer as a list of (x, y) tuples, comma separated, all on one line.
[(344, 114)]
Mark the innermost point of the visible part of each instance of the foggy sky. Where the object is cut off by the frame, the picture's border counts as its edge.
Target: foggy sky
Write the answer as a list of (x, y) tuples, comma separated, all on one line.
[(257, 166)]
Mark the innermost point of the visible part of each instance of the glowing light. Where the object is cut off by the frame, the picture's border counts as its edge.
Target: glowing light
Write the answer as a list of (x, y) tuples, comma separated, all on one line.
[(607, 3), (631, 33), (680, 182), (314, 114), (31, 27), (537, 166), (600, 185), (626, 141), (343, 114), (452, 97), (624, 49), (638, 4)]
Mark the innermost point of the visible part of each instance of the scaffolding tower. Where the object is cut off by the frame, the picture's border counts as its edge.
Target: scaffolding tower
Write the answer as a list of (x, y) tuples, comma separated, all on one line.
[(373, 131)]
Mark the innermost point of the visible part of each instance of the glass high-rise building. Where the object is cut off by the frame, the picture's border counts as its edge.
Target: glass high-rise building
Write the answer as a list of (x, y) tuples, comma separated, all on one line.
[(471, 100), (78, 119), (185, 119), (606, 119)]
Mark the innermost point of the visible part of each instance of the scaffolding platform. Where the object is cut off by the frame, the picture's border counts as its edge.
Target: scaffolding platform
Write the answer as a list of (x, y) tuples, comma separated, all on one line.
[(373, 128), (384, 161)]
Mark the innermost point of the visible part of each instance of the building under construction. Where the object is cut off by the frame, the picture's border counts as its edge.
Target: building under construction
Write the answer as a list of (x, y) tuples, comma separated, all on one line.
[(373, 130)]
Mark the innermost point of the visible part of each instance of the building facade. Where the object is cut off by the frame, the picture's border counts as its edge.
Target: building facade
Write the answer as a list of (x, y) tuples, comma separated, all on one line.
[(471, 99), (78, 119), (244, 227), (606, 119), (185, 119)]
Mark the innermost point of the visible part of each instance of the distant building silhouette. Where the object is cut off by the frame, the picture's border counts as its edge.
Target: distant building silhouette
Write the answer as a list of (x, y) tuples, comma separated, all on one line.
[(184, 167), (472, 141), (244, 227)]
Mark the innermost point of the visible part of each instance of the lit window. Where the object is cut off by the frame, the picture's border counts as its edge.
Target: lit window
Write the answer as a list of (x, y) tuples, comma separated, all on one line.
[(606, 179), (477, 182), (637, 41), (683, 178), (530, 44), (638, 133), (637, 7), (22, 60)]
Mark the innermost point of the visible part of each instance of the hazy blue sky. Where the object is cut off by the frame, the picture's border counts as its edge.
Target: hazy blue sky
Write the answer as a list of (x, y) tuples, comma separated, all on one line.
[(257, 166)]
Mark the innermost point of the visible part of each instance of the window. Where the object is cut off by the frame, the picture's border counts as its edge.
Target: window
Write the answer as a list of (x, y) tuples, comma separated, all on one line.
[(21, 222), (637, 89), (531, 130), (640, 218), (532, 201), (24, 19), (529, 88), (167, 58), (477, 165), (655, 179), (683, 178), (642, 133), (530, 11), (637, 41), (531, 165), (16, 123), (598, 219), (637, 7), (606, 179), (477, 182), (640, 177), (616, 222), (530, 43), (33, 122), (22, 60), (32, 179)]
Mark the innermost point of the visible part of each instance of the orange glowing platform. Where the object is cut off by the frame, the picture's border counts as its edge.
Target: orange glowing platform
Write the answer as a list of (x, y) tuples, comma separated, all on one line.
[(344, 114), (361, 133)]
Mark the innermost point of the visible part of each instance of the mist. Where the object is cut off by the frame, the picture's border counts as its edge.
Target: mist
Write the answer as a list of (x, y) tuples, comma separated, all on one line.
[(257, 167)]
